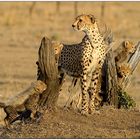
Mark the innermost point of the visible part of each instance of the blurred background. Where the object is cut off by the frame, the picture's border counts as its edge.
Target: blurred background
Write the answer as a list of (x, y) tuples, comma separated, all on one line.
[(24, 24)]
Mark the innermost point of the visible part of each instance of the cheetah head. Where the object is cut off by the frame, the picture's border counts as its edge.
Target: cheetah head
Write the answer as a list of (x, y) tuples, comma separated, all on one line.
[(39, 86), (123, 70), (84, 22), (129, 46), (57, 47)]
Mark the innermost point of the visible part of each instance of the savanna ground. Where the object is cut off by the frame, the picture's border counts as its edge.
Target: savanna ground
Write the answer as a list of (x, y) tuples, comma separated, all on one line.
[(20, 35)]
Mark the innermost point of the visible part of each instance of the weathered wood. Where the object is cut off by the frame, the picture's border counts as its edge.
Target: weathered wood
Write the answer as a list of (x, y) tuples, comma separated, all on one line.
[(111, 80), (47, 61), (49, 74), (74, 91)]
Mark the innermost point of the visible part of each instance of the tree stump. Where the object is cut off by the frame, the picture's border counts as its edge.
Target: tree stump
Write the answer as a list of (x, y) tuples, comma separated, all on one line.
[(111, 80), (48, 72)]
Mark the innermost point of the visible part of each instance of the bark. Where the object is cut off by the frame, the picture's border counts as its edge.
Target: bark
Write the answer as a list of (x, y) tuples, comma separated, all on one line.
[(111, 80), (48, 72)]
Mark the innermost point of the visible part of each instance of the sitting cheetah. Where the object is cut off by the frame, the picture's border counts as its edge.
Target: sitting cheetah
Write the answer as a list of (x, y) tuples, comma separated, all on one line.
[(26, 100), (85, 60), (122, 55)]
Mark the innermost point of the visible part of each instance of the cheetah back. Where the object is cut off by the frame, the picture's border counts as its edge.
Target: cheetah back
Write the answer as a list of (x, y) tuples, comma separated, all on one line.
[(70, 59)]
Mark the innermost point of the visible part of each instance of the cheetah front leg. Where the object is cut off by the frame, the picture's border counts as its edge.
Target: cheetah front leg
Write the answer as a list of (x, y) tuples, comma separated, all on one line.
[(84, 102), (94, 89)]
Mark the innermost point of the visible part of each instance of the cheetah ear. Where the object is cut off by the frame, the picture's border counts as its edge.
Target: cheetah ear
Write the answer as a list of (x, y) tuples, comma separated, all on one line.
[(92, 18), (32, 84), (126, 43)]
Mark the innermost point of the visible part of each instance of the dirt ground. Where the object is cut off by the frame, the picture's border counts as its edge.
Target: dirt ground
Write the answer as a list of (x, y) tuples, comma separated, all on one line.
[(108, 123), (21, 32)]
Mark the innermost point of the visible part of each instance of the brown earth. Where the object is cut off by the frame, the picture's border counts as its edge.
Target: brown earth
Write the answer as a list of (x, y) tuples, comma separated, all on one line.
[(20, 36), (109, 123)]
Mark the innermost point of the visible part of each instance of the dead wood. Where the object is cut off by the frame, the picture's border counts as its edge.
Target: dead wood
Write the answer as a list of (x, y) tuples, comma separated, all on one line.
[(111, 80), (48, 72)]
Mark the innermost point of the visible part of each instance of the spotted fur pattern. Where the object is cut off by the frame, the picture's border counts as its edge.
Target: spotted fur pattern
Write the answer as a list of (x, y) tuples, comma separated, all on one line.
[(85, 60), (122, 55), (123, 70), (27, 100), (123, 52)]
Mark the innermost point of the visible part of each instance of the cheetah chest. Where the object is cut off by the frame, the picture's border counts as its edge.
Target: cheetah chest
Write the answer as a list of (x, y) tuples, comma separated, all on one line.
[(94, 60)]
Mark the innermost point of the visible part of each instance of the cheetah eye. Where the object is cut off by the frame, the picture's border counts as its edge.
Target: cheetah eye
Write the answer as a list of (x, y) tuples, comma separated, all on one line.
[(80, 20)]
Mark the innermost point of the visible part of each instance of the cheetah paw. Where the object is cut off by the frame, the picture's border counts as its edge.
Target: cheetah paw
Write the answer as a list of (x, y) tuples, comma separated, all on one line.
[(84, 113), (94, 112)]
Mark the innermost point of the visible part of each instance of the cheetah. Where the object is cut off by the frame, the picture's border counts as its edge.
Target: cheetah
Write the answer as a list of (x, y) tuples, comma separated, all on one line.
[(123, 52), (26, 100), (123, 71), (122, 55), (57, 49), (85, 60), (2, 116)]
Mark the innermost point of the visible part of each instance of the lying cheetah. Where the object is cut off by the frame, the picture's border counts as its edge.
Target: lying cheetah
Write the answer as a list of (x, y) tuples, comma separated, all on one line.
[(122, 55), (85, 60), (26, 100)]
